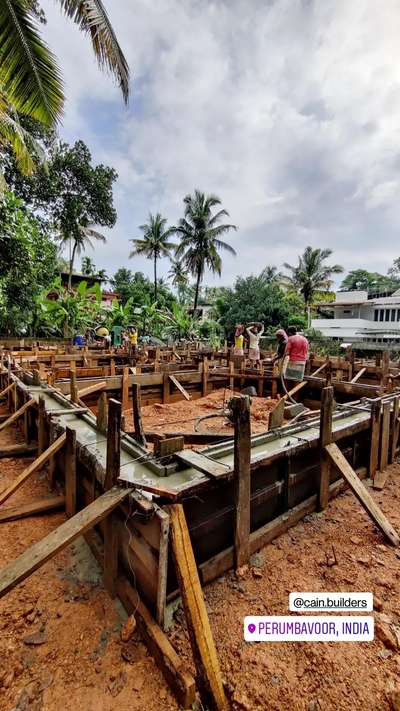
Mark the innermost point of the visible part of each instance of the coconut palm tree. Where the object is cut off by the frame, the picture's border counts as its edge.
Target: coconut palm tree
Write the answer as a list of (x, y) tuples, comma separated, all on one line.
[(311, 274), (200, 234), (178, 276), (30, 79), (154, 243), (81, 239)]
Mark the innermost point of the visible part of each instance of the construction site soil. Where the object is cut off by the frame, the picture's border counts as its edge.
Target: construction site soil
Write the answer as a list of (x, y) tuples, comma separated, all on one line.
[(60, 641)]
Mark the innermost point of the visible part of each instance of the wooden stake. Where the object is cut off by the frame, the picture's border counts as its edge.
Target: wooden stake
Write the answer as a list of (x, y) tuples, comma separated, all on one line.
[(385, 432), (204, 652), (374, 437), (73, 387), (113, 444), (102, 413), (166, 388), (70, 472), (125, 389), (41, 424), (205, 377), (362, 493), (137, 415), (240, 406), (325, 437), (111, 553), (179, 386)]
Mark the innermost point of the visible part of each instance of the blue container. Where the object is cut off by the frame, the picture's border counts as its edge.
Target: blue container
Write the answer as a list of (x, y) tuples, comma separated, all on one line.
[(79, 341)]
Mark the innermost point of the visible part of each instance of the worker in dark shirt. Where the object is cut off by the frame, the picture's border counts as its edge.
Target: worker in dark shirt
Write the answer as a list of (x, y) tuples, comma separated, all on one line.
[(281, 338)]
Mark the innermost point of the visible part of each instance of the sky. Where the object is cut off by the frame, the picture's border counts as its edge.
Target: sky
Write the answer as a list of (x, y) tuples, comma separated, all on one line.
[(288, 110)]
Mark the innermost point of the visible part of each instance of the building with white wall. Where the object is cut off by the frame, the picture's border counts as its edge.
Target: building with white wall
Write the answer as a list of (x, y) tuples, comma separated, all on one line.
[(357, 317)]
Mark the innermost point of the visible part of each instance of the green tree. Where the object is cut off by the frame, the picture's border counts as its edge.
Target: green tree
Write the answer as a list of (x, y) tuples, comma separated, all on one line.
[(155, 242), (199, 231), (28, 263), (30, 78), (311, 274), (88, 266), (70, 194), (255, 299), (373, 282), (71, 312), (179, 277)]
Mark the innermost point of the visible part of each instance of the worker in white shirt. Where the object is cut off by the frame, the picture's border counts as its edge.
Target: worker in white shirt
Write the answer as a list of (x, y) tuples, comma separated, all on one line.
[(254, 332)]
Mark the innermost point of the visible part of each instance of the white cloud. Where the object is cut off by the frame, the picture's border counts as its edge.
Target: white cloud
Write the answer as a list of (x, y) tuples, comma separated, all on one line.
[(288, 110)]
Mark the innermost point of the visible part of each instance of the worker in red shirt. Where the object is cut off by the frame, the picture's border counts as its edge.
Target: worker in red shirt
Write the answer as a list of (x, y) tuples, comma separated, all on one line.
[(297, 350)]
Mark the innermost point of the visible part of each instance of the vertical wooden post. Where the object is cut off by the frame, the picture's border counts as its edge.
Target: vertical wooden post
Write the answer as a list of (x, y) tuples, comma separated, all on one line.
[(165, 392), (102, 412), (374, 437), (125, 389), (260, 379), (395, 429), (112, 366), (231, 375), (205, 657), (137, 414), (325, 437), (73, 387), (242, 453), (52, 460), (41, 425), (385, 431), (205, 377), (113, 444), (27, 415), (70, 472)]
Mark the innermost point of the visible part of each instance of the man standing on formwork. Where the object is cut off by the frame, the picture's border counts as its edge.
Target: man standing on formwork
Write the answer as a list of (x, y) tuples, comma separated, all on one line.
[(297, 350)]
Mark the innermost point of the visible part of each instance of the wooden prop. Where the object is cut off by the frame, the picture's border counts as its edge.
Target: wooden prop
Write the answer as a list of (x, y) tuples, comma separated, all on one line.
[(38, 554), (70, 472), (362, 493), (137, 415), (38, 506), (113, 444), (16, 415), (180, 387), (204, 652), (37, 464), (18, 450), (358, 375)]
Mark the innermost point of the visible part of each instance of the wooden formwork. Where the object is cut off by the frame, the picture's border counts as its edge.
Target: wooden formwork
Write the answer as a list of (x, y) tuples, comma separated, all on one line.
[(244, 493)]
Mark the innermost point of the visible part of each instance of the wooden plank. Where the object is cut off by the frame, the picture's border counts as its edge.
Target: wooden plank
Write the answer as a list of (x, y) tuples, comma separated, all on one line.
[(242, 454), (41, 424), (18, 450), (38, 506), (204, 376), (358, 375), (374, 437), (325, 437), (208, 671), (276, 415), (38, 554), (113, 460), (7, 389), (91, 389), (167, 659), (73, 388), (70, 472), (191, 437), (16, 415), (179, 386), (385, 433), (203, 464), (362, 493), (37, 464)]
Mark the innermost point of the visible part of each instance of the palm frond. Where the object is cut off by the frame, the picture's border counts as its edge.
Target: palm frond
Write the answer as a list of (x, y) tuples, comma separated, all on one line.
[(91, 16), (29, 75)]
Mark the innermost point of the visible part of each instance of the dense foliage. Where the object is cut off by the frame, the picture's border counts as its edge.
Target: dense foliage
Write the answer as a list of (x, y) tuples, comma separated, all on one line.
[(28, 260)]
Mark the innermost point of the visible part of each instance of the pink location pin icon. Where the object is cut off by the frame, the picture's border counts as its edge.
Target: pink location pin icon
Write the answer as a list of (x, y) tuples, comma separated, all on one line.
[(251, 627)]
